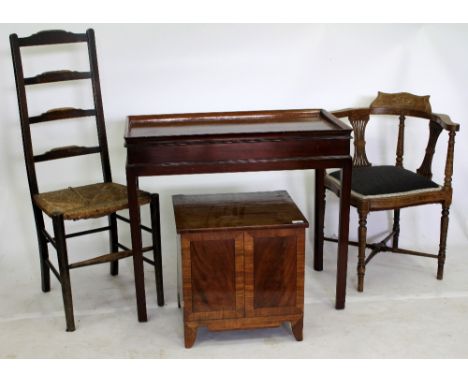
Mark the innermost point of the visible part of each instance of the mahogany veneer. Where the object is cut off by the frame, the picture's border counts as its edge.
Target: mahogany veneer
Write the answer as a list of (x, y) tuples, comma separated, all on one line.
[(242, 260)]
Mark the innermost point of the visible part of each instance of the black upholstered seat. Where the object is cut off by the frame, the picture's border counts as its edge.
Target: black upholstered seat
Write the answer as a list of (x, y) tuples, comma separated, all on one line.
[(387, 188), (384, 180)]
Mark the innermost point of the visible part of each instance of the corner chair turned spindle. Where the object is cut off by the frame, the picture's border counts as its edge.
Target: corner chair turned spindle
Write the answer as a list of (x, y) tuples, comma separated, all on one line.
[(377, 188)]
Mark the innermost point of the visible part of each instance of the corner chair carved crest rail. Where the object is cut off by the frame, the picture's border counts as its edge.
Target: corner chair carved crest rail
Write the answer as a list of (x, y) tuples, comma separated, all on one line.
[(377, 188)]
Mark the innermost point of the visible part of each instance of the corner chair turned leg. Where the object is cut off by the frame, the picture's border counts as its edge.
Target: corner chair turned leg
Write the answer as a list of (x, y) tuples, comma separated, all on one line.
[(362, 234), (156, 236), (59, 233), (443, 242)]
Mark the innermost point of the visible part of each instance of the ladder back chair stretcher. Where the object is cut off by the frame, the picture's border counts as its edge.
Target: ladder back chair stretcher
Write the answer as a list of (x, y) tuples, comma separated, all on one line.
[(76, 203), (377, 188)]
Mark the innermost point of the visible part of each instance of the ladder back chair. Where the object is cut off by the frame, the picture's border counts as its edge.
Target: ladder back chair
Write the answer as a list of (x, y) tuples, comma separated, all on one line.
[(76, 203), (377, 188)]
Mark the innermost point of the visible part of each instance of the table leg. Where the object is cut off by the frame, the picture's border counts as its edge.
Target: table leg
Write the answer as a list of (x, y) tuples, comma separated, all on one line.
[(342, 262), (319, 218), (134, 212)]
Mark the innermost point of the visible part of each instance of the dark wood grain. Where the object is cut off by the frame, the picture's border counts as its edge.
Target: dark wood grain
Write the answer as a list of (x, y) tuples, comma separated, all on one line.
[(212, 279), (319, 218), (221, 149), (359, 122), (274, 271), (213, 267), (235, 210), (426, 165), (51, 37), (297, 328), (157, 247), (66, 152), (57, 76), (295, 116), (62, 113), (62, 255), (401, 142), (239, 277), (97, 97), (343, 232)]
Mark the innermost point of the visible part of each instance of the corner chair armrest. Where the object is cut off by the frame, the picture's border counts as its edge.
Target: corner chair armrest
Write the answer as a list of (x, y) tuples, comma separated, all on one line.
[(445, 122), (352, 113), (342, 113)]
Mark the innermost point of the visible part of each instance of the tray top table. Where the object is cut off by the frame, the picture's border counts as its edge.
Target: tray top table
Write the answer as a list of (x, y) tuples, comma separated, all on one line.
[(202, 143)]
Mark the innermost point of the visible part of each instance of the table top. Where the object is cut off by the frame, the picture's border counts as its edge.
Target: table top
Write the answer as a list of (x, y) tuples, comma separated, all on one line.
[(273, 209), (233, 124)]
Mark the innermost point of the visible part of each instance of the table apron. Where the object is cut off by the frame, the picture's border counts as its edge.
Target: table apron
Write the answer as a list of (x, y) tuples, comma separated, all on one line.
[(241, 149), (240, 165)]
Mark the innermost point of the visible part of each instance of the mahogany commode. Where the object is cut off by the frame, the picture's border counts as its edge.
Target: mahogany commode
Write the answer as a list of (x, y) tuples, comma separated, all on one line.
[(204, 143), (242, 261)]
